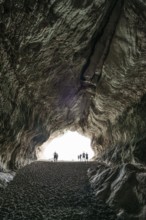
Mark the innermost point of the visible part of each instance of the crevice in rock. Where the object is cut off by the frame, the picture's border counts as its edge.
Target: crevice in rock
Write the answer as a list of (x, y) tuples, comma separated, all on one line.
[(92, 70)]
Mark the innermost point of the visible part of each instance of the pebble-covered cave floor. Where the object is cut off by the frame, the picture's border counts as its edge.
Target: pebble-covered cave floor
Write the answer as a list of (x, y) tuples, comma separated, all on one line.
[(52, 191)]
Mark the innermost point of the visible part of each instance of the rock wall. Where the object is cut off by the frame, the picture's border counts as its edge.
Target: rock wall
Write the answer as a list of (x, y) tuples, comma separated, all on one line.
[(118, 107), (122, 187), (72, 64)]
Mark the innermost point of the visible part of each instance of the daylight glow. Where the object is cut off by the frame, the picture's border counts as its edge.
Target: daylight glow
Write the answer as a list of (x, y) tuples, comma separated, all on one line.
[(68, 146)]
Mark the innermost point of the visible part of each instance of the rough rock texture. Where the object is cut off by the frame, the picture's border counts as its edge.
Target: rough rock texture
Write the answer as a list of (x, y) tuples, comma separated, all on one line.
[(73, 64), (122, 187), (5, 178)]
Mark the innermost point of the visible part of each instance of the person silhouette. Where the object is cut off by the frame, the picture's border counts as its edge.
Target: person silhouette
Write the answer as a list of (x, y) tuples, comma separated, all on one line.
[(86, 157), (55, 156)]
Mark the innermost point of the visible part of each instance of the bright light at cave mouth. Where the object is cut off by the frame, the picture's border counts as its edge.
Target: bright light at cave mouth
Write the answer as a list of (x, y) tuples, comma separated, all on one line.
[(68, 147)]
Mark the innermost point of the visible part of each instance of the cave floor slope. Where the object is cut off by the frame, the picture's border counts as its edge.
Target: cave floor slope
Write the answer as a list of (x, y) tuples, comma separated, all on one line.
[(53, 191)]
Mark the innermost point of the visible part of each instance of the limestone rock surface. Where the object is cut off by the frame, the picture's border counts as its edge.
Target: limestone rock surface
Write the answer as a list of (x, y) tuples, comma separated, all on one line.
[(122, 187), (5, 178)]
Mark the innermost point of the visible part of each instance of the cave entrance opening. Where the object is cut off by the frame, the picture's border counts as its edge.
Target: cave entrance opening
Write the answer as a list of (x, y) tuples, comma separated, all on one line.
[(68, 146)]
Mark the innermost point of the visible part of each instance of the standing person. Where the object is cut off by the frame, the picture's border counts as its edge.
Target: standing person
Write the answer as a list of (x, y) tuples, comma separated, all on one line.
[(86, 156), (83, 155), (55, 156), (80, 157)]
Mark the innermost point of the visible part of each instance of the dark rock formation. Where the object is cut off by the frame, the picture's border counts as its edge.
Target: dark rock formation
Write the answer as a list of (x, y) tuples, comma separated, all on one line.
[(122, 187), (72, 65), (5, 178), (77, 65)]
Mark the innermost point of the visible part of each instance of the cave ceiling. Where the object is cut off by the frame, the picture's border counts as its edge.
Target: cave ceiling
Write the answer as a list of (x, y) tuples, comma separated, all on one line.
[(72, 64)]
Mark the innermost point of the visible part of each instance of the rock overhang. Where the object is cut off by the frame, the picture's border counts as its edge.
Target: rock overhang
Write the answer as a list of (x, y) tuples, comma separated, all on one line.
[(70, 65)]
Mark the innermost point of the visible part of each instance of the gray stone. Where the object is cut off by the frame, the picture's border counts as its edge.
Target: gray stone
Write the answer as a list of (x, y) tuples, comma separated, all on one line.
[(5, 178), (122, 187)]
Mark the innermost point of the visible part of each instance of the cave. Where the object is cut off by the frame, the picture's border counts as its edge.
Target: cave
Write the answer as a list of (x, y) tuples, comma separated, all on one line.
[(78, 65)]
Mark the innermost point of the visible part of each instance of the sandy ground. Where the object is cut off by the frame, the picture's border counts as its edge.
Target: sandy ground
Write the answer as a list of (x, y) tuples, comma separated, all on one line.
[(52, 191)]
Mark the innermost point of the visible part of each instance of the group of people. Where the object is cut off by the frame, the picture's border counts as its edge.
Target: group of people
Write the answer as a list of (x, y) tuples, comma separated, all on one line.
[(83, 157)]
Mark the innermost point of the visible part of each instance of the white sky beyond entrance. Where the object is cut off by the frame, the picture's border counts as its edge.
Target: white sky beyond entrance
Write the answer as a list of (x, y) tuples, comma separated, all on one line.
[(68, 146)]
